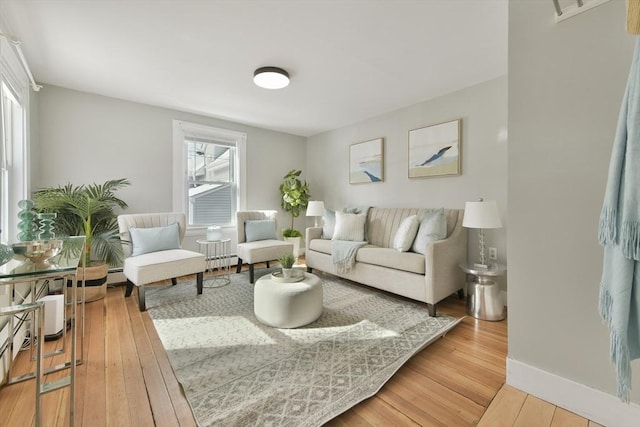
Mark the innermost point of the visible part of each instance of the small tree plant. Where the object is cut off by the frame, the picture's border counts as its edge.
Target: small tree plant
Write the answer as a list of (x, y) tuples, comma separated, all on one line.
[(295, 198)]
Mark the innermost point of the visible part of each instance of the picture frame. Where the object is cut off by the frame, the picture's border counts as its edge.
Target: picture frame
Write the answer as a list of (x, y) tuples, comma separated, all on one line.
[(435, 150), (366, 161)]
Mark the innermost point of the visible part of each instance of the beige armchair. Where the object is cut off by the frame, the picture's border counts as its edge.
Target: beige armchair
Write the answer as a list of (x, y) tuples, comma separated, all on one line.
[(158, 254), (258, 242)]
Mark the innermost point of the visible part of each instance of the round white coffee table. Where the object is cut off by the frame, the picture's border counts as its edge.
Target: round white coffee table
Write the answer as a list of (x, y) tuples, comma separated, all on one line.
[(287, 305)]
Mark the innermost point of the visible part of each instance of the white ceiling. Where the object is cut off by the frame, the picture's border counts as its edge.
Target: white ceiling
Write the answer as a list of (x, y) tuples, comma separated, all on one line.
[(348, 60)]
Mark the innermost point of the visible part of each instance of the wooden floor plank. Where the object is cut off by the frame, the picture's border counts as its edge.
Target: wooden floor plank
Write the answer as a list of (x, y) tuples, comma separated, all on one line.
[(157, 393), (564, 418), (135, 390), (504, 409), (427, 397), (118, 413), (377, 412), (454, 379), (535, 413), (92, 403), (180, 404)]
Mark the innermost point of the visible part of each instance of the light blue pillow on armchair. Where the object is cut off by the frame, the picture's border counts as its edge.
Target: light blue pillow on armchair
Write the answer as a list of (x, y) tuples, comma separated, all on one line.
[(433, 227), (259, 229), (154, 239)]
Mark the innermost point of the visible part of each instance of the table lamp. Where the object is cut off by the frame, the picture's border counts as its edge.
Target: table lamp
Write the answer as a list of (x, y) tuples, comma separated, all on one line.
[(481, 214), (315, 208)]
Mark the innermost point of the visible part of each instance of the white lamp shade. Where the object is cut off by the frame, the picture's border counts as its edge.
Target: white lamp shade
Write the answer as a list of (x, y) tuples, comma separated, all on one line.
[(482, 214), (315, 208)]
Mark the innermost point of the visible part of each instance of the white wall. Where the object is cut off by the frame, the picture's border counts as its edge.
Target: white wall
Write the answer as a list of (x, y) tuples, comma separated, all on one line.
[(483, 110), (566, 83), (86, 138)]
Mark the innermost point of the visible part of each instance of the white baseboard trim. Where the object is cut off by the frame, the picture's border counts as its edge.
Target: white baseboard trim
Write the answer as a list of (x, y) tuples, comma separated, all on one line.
[(585, 401)]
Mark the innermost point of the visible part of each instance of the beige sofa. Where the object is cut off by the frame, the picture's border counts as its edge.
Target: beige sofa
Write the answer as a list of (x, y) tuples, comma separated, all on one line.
[(428, 278)]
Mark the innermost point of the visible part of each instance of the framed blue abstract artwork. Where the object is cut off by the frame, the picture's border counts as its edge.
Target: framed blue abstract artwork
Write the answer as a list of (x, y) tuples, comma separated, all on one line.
[(435, 150), (366, 161)]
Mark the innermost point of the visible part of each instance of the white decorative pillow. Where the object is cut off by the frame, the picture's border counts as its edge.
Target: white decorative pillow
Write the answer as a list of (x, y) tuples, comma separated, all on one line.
[(349, 227), (406, 233), (433, 227)]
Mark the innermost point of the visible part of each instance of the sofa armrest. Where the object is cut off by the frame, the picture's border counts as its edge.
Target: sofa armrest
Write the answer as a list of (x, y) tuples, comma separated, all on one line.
[(442, 260), (312, 233)]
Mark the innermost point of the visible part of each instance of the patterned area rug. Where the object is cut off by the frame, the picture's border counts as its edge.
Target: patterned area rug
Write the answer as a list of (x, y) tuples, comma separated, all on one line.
[(236, 371)]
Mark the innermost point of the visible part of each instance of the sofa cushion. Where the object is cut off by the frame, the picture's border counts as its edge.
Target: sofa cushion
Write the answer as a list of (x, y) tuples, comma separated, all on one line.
[(349, 227), (406, 233), (145, 240), (391, 258), (433, 227)]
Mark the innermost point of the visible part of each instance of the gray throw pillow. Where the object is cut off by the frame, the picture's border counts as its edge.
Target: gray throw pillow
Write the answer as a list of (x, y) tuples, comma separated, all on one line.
[(328, 224), (433, 227)]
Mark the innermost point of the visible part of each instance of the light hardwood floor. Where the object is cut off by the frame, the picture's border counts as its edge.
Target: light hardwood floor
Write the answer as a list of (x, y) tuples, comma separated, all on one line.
[(126, 380)]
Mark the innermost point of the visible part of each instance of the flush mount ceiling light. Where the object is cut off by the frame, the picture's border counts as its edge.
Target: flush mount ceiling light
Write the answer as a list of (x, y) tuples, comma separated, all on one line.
[(271, 77)]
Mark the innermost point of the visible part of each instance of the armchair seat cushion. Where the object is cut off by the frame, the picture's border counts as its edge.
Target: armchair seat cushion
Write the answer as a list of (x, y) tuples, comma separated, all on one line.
[(156, 266), (263, 250)]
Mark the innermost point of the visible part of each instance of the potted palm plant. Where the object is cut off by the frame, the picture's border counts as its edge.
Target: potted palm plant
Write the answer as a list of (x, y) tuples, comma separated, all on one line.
[(295, 198), (90, 211)]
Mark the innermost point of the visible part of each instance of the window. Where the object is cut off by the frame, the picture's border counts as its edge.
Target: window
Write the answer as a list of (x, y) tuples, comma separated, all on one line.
[(209, 162), (13, 141)]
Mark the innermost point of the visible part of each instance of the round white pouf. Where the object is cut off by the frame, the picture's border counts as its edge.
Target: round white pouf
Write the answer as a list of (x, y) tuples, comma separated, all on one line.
[(287, 305)]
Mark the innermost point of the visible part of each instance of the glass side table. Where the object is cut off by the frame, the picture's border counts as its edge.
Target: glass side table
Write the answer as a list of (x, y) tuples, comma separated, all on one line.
[(483, 295), (218, 256)]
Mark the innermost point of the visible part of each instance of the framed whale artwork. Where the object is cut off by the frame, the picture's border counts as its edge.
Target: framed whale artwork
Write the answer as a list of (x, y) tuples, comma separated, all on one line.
[(366, 161), (435, 150)]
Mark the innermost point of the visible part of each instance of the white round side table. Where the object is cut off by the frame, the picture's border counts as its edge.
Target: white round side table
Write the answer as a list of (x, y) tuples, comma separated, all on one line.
[(218, 256), (483, 295)]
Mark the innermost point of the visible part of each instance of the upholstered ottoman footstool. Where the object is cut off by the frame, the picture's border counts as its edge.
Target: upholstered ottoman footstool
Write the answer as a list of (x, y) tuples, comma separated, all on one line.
[(287, 305)]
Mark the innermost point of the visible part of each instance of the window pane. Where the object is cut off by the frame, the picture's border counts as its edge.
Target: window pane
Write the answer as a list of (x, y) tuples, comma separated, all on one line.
[(208, 162), (211, 204), (210, 183)]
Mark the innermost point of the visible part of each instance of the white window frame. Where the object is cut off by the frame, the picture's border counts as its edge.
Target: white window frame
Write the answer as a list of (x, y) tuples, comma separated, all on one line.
[(15, 86), (182, 130)]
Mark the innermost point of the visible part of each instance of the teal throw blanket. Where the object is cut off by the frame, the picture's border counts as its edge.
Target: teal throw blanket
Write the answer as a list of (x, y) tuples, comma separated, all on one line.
[(344, 254), (619, 233)]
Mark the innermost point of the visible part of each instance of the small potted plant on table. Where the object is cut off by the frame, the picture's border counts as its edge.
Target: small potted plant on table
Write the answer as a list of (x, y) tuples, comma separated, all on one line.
[(286, 262)]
